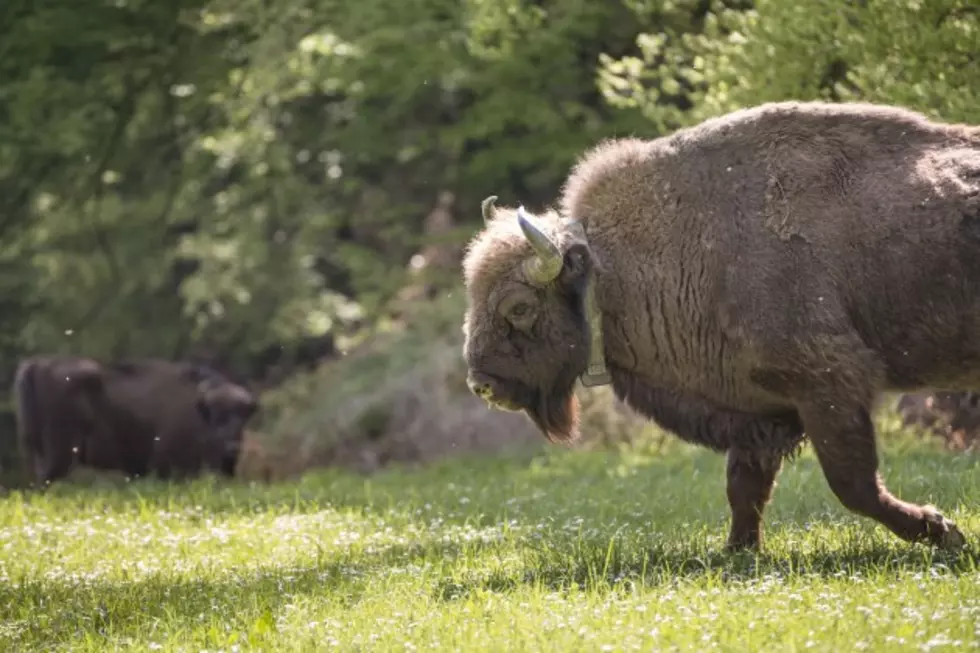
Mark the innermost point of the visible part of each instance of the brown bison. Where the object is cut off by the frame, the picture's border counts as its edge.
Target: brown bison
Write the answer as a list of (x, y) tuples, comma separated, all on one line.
[(953, 416), (136, 416), (761, 275)]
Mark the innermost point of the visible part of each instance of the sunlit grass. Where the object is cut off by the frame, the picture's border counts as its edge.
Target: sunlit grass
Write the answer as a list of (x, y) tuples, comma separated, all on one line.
[(565, 551)]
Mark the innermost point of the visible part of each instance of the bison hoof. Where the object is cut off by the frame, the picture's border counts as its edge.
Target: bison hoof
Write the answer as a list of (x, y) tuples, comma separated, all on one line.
[(737, 544), (953, 540), (942, 532)]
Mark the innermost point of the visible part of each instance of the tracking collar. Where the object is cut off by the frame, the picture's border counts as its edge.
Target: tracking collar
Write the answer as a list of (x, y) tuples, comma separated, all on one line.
[(596, 373)]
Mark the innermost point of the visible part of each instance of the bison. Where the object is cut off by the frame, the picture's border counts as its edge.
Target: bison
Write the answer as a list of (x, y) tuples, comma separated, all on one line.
[(135, 416), (743, 282), (953, 416)]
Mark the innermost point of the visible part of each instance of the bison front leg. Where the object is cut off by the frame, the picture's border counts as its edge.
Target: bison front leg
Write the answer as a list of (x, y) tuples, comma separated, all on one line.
[(751, 479), (55, 463), (843, 436)]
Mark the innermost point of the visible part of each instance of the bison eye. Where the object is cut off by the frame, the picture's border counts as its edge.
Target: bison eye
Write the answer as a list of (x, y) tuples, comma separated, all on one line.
[(522, 315), (519, 310)]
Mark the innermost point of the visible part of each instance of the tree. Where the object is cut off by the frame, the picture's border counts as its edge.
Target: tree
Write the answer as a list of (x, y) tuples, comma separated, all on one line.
[(921, 55)]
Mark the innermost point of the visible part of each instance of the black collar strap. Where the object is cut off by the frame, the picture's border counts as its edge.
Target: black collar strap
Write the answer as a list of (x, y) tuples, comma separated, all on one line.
[(596, 373)]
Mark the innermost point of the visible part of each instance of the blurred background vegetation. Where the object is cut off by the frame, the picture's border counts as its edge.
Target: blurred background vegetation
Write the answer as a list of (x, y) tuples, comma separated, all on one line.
[(282, 188)]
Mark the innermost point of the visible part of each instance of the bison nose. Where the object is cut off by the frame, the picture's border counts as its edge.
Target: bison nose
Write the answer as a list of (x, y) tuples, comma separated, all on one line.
[(480, 385)]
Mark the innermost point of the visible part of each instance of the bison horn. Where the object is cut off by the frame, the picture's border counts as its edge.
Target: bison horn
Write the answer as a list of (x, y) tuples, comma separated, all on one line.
[(489, 210), (544, 267)]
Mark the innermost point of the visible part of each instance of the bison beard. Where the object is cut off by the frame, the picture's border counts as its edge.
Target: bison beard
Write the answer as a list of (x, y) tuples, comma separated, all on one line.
[(552, 407), (557, 416), (556, 411)]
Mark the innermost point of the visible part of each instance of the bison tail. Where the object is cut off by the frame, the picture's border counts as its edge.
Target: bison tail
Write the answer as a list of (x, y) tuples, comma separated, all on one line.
[(28, 415)]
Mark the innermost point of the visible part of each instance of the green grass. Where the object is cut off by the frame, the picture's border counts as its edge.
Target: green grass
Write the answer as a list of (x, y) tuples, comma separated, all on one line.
[(561, 551)]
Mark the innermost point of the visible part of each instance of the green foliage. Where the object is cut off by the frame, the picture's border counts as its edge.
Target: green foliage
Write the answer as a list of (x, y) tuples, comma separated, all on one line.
[(564, 551), (91, 162), (922, 55), (227, 178), (320, 408)]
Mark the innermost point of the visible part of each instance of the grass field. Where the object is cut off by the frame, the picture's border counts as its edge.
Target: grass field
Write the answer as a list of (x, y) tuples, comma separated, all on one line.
[(558, 551)]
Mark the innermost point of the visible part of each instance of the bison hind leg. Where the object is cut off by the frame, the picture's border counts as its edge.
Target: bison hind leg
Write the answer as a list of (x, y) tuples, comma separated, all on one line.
[(833, 380), (842, 434)]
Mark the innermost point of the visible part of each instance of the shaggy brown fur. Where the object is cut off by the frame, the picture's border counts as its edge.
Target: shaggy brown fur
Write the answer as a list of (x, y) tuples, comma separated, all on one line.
[(133, 416), (764, 273)]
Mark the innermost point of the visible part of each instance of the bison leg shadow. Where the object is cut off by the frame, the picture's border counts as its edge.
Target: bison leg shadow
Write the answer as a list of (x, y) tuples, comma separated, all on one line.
[(595, 566)]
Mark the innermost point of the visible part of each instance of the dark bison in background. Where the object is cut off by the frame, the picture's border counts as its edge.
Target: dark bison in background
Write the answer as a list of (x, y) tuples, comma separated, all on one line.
[(953, 416), (137, 416), (761, 275)]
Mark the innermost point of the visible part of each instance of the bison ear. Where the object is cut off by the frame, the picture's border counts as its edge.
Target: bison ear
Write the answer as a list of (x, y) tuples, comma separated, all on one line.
[(576, 265)]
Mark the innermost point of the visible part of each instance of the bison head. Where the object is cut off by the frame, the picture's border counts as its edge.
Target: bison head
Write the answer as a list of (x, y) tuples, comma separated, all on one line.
[(526, 333), (226, 408), (82, 382)]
